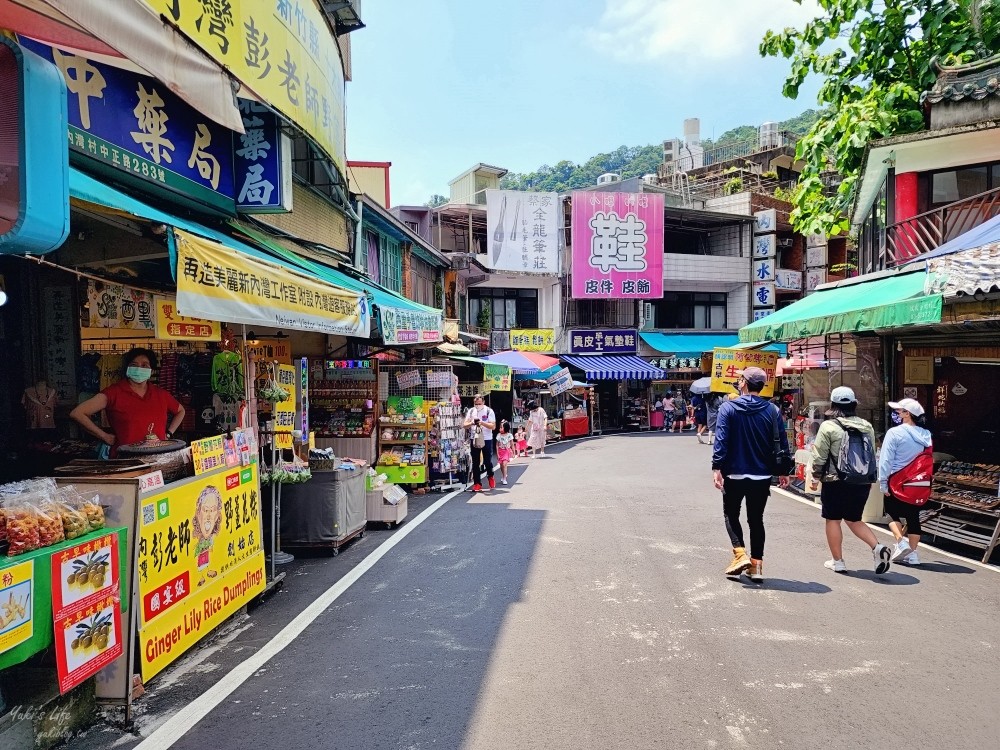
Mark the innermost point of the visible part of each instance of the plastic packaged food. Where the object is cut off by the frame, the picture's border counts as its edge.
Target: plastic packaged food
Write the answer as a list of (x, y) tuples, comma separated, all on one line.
[(74, 519), (22, 525)]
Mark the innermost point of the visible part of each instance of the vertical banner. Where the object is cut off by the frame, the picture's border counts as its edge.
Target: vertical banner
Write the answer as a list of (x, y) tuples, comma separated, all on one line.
[(263, 162), (304, 396), (284, 411), (617, 245), (522, 231)]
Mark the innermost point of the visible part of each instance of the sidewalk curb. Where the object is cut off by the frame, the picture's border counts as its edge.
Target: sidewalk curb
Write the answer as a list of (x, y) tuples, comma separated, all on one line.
[(880, 530)]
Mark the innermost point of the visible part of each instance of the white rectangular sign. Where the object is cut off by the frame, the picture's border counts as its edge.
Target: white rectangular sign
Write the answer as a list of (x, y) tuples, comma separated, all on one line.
[(765, 246), (762, 313), (816, 256), (763, 294), (788, 280), (815, 240), (815, 277), (763, 270), (522, 231), (766, 221)]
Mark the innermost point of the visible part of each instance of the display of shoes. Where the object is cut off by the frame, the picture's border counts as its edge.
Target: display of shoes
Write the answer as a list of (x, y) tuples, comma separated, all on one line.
[(882, 556), (837, 566), (900, 550)]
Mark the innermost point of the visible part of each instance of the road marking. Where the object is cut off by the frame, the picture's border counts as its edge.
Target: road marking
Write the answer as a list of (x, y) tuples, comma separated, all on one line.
[(880, 530), (188, 717)]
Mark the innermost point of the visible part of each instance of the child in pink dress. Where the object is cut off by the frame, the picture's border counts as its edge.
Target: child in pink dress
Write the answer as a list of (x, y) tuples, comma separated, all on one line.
[(521, 441), (505, 449)]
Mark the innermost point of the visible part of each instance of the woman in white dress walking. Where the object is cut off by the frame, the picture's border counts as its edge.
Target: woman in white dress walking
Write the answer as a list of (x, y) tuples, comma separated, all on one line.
[(537, 425)]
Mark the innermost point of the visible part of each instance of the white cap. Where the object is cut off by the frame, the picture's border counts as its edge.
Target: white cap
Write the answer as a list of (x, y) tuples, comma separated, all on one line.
[(909, 404), (843, 395)]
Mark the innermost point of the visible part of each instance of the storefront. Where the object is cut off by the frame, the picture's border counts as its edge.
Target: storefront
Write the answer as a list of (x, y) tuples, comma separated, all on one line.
[(620, 389)]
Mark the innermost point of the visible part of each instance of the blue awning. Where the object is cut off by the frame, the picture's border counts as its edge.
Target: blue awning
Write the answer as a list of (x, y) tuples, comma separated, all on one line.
[(695, 344), (608, 367)]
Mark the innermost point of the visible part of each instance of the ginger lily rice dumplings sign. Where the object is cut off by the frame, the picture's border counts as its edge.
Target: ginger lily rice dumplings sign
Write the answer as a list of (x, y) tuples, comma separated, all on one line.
[(617, 245)]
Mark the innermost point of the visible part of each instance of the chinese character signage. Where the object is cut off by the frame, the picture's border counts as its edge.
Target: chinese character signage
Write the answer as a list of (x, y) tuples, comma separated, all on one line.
[(602, 342), (763, 294), (498, 377), (765, 221), (815, 240), (136, 126), (815, 277), (561, 382), (471, 389), (283, 51), (215, 283), (765, 246), (788, 280), (761, 313), (284, 413), (263, 162), (617, 245), (200, 560), (208, 454), (533, 339), (171, 325), (816, 256), (118, 306), (763, 270), (86, 608), (17, 591), (407, 379), (403, 326), (728, 363), (522, 231)]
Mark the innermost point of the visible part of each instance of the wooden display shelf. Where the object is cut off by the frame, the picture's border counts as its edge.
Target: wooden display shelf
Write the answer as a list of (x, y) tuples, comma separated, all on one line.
[(331, 435), (403, 442), (971, 484)]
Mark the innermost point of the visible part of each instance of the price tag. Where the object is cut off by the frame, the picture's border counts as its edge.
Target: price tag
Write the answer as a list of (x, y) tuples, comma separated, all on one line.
[(151, 481)]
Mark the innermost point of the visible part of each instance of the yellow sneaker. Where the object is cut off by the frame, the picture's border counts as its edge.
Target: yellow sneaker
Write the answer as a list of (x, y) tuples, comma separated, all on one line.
[(740, 562)]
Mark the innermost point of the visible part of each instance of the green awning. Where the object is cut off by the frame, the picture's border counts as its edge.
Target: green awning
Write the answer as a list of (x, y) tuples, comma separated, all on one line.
[(889, 302)]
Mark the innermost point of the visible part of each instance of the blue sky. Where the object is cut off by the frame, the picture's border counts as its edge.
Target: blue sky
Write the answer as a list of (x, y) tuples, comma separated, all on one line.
[(440, 85)]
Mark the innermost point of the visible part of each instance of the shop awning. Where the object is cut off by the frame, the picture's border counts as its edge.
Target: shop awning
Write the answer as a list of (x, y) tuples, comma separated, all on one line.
[(695, 344), (888, 302), (608, 367)]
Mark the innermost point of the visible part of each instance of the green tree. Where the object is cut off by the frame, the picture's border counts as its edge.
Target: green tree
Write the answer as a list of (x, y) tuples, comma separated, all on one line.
[(436, 200), (874, 58)]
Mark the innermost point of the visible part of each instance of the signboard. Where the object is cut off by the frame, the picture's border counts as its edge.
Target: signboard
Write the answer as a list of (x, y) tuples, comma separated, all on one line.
[(765, 221), (151, 481), (616, 341), (814, 278), (200, 560), (761, 313), (438, 378), (765, 246), (816, 256), (263, 162), (284, 411), (763, 294), (171, 325), (498, 377), (403, 326), (216, 283), (788, 280), (284, 52), (560, 382), (471, 390), (304, 395), (270, 350), (61, 320), (617, 245), (533, 339), (815, 240), (118, 306), (727, 364), (522, 231), (408, 379), (208, 454), (17, 589), (135, 126), (763, 270), (86, 608)]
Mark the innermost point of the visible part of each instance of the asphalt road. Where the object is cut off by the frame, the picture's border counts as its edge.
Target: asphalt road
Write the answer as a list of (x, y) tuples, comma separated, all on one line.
[(584, 606)]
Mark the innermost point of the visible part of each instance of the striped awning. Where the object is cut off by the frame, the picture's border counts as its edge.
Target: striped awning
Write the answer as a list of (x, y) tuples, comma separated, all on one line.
[(608, 367)]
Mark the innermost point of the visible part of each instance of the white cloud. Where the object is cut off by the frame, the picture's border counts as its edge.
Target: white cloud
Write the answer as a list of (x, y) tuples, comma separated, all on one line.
[(693, 30)]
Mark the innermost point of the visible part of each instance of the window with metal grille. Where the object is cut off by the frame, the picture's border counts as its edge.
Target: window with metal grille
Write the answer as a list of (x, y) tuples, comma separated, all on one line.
[(390, 263), (509, 308), (698, 310), (422, 278)]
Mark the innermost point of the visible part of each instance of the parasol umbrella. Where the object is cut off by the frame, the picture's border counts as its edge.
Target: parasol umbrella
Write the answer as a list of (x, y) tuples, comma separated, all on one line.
[(524, 362), (702, 386)]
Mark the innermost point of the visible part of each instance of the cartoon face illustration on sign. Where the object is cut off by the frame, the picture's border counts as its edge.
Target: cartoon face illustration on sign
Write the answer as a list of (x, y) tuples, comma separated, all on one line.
[(207, 523)]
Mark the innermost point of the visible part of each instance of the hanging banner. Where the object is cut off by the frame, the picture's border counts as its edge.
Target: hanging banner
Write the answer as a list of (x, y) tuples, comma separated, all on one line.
[(284, 411), (617, 245), (200, 560), (17, 590), (218, 283), (170, 325), (403, 326), (284, 52), (263, 162), (498, 377), (522, 231), (728, 363), (560, 382), (118, 306), (533, 339), (592, 341)]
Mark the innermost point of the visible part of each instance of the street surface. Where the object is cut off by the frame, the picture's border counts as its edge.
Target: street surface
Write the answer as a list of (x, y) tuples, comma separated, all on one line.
[(584, 607)]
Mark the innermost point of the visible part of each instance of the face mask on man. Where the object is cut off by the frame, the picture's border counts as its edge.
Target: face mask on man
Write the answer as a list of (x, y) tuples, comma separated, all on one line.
[(138, 374)]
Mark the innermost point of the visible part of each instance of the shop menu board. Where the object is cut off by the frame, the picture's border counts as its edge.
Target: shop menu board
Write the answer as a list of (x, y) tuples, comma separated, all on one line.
[(285, 411), (200, 559), (16, 604), (208, 454), (728, 363), (86, 609)]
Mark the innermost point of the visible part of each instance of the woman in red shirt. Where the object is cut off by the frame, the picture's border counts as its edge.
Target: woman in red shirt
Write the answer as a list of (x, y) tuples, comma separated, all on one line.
[(132, 405)]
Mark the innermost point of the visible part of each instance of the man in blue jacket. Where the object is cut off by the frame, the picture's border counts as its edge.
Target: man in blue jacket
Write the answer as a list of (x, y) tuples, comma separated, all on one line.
[(743, 464)]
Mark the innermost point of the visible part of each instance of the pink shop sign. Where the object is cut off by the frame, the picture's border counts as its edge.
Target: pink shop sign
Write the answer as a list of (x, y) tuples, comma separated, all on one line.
[(617, 245)]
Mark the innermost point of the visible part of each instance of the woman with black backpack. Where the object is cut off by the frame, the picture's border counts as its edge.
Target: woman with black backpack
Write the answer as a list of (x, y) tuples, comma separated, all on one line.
[(844, 461)]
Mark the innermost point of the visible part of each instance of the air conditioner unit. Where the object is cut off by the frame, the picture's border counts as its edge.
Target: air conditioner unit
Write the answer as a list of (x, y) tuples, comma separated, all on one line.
[(608, 177), (650, 179), (786, 242)]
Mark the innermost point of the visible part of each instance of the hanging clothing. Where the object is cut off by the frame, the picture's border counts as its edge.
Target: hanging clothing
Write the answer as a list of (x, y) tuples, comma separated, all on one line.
[(110, 366), (40, 407)]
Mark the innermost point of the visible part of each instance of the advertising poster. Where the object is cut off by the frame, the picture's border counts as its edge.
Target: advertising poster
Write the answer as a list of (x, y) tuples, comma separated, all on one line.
[(727, 364), (560, 382), (172, 326), (617, 245), (498, 377), (533, 339), (200, 560), (84, 575), (118, 306), (406, 379), (87, 640), (284, 411), (16, 604), (522, 231), (208, 454)]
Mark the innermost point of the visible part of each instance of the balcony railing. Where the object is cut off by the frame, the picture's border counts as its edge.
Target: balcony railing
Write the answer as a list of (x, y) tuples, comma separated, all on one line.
[(910, 238), (740, 149)]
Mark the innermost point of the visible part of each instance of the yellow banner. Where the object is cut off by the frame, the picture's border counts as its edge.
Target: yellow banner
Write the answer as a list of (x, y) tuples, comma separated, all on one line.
[(217, 283), (200, 559), (171, 325), (533, 339), (283, 51), (727, 364), (284, 411)]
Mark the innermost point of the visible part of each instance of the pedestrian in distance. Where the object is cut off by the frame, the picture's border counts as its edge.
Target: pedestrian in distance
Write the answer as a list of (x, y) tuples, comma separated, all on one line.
[(668, 411), (538, 425), (843, 438), (699, 405), (481, 421), (505, 449), (521, 440), (680, 412), (712, 403), (904, 448), (744, 459)]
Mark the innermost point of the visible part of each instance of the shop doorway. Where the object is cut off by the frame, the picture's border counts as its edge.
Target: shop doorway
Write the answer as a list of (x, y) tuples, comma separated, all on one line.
[(609, 401)]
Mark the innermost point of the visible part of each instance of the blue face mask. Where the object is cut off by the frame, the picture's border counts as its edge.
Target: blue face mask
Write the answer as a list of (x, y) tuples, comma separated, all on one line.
[(138, 374)]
